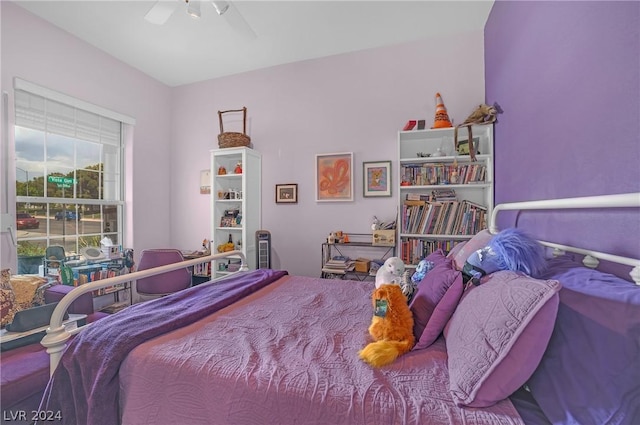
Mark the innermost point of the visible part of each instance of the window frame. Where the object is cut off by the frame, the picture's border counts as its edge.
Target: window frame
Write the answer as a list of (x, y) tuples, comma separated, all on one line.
[(118, 203)]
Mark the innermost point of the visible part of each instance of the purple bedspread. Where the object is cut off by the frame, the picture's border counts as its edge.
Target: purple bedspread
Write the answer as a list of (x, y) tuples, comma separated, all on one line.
[(288, 355), (85, 385)]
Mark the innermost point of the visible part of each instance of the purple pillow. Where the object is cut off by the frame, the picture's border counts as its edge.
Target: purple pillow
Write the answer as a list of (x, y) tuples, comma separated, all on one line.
[(478, 241), (456, 248), (497, 336), (442, 312), (593, 352), (431, 290)]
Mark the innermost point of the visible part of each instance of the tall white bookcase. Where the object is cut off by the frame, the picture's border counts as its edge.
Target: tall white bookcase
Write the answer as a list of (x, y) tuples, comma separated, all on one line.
[(427, 159), (236, 211)]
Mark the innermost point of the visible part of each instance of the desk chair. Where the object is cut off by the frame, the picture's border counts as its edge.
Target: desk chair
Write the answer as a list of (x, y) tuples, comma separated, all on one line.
[(165, 283)]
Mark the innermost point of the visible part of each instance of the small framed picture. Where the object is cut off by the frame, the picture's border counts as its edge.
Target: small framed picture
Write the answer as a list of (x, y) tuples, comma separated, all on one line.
[(205, 182), (463, 146), (287, 193), (376, 178)]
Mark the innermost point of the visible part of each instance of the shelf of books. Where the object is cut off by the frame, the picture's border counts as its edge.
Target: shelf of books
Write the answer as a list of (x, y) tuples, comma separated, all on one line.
[(446, 197)]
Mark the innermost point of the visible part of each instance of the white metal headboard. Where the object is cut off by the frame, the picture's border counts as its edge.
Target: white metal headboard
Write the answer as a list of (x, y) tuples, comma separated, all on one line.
[(626, 200)]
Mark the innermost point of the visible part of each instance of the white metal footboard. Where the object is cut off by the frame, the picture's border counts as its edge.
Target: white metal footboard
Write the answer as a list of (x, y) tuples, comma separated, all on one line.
[(626, 200), (57, 336)]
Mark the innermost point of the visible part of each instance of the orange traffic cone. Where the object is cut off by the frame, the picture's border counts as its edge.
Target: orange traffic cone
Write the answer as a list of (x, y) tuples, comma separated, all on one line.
[(442, 118)]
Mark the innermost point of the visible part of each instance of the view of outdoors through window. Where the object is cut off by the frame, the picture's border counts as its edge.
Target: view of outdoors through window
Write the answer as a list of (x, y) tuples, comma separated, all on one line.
[(68, 192)]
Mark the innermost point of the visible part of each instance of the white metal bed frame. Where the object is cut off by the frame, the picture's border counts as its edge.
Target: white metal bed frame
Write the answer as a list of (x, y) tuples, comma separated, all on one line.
[(591, 259), (57, 336)]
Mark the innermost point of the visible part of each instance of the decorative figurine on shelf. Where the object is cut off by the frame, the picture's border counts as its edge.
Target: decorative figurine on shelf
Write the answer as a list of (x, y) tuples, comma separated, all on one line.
[(229, 246), (226, 247), (206, 247), (483, 114), (442, 118), (238, 169), (453, 177), (438, 153), (222, 171)]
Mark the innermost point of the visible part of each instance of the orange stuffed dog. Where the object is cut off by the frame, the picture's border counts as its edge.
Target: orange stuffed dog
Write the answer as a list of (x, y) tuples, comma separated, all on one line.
[(391, 327)]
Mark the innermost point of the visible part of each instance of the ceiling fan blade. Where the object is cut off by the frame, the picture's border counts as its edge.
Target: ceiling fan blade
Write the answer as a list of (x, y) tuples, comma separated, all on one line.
[(161, 11), (235, 19)]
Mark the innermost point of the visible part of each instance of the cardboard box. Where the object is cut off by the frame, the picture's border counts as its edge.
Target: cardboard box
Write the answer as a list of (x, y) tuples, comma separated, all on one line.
[(384, 237), (362, 265)]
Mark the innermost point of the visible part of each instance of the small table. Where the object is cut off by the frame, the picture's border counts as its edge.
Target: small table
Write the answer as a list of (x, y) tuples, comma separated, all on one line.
[(10, 340)]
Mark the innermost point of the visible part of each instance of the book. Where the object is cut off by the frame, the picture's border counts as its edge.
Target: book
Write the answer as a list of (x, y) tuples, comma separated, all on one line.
[(409, 125)]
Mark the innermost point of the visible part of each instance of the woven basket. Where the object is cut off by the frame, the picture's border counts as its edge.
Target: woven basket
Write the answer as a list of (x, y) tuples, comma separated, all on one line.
[(231, 139)]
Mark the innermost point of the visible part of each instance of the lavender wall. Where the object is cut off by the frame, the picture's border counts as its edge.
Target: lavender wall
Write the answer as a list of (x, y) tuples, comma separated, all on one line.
[(567, 76), (354, 102), (37, 51)]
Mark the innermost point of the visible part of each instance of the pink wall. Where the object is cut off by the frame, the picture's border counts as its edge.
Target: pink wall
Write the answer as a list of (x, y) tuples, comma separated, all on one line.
[(354, 102), (43, 54)]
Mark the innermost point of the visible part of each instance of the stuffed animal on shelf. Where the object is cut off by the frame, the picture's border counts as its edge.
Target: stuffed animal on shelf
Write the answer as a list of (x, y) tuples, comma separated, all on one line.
[(390, 272), (483, 114), (511, 249), (391, 327), (375, 225)]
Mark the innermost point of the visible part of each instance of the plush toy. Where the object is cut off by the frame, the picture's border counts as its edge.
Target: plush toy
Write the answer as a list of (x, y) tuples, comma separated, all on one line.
[(390, 272), (511, 249), (483, 114), (422, 269), (391, 327)]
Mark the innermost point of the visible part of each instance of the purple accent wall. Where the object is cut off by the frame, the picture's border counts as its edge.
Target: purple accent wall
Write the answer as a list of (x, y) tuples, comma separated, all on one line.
[(567, 75)]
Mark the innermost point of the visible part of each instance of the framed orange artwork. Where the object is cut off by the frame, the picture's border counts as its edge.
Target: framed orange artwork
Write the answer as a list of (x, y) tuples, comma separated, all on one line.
[(334, 177)]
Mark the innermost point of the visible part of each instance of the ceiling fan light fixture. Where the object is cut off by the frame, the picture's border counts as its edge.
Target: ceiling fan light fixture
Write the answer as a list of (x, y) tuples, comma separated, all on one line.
[(221, 6), (193, 9)]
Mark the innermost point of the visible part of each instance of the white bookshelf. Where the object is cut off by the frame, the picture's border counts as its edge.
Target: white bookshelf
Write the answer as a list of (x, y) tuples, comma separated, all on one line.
[(239, 192), (426, 159)]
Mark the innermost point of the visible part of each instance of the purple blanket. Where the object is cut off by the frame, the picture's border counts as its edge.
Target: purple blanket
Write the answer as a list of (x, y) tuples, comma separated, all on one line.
[(84, 387)]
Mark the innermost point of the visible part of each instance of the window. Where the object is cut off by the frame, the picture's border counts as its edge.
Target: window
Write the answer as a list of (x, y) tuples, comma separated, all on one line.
[(69, 162)]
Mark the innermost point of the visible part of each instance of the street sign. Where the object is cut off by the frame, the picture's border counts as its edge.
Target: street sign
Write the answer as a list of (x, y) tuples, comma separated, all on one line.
[(61, 181)]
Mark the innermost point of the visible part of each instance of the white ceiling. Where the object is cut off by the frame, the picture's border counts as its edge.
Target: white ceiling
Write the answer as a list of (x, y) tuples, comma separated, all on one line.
[(185, 50)]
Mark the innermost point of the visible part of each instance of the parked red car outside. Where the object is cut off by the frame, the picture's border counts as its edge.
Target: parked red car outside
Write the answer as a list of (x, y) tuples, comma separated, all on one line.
[(26, 221)]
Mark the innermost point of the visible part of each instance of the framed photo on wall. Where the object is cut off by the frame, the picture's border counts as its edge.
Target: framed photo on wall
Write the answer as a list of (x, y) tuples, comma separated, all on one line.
[(205, 182), (334, 177), (287, 193), (376, 179)]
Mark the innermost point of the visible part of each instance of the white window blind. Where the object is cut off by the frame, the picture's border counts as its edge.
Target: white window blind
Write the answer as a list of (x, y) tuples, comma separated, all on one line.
[(39, 113)]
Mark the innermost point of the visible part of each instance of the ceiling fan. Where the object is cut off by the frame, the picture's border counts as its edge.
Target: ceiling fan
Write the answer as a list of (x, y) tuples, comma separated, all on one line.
[(162, 10)]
